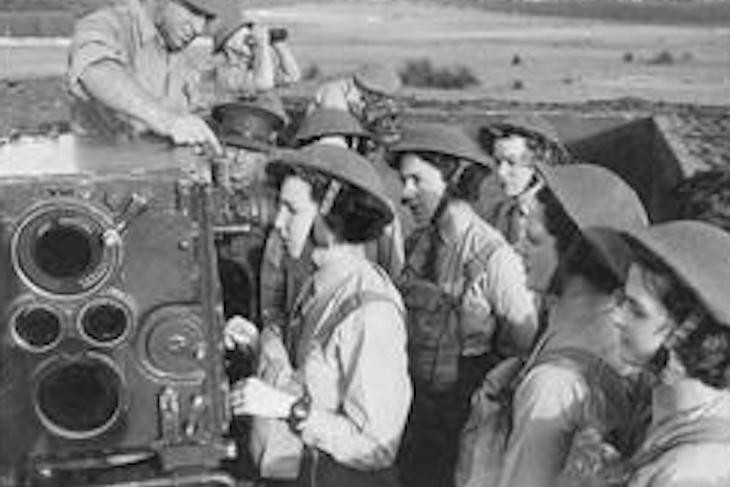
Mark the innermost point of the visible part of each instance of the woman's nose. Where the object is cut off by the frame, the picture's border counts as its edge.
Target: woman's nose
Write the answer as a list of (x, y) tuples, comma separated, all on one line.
[(503, 169), (618, 316), (409, 191), (279, 221)]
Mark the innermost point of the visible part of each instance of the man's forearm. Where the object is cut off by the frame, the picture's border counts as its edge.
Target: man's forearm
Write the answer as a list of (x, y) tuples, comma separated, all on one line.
[(263, 71), (287, 63), (110, 84)]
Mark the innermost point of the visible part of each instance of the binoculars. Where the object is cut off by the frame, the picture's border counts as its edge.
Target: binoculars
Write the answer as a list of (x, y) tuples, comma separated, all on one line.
[(276, 34)]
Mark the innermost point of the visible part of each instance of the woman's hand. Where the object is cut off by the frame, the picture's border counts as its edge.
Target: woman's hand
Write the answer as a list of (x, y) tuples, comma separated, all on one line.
[(254, 397), (239, 332)]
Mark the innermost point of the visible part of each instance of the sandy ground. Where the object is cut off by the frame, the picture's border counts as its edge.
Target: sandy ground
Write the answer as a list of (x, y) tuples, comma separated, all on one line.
[(564, 60)]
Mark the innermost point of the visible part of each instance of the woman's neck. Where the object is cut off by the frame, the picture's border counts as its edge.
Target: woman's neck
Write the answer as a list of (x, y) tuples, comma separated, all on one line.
[(451, 221), (528, 197)]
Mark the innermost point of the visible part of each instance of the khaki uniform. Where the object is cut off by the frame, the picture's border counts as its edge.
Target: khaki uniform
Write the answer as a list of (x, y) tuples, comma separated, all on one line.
[(689, 445), (356, 370), (468, 306), (125, 34)]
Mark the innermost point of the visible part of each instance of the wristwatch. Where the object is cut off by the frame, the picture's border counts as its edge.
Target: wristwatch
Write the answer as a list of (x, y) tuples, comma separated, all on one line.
[(299, 412)]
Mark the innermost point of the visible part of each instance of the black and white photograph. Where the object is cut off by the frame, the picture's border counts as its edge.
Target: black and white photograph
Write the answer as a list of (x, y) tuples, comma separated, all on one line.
[(365, 243)]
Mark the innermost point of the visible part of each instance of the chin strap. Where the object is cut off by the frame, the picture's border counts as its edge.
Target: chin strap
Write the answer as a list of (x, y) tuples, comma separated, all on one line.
[(329, 197)]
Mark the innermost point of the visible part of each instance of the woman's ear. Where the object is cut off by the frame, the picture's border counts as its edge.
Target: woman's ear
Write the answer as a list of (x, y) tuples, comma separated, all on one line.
[(536, 182), (673, 368)]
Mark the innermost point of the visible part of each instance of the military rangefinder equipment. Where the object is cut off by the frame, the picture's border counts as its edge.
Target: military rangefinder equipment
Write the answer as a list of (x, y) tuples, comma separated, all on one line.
[(110, 350)]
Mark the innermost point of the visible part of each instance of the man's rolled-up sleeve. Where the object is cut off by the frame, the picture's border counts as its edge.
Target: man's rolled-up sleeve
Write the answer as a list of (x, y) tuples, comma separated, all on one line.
[(97, 37), (366, 432)]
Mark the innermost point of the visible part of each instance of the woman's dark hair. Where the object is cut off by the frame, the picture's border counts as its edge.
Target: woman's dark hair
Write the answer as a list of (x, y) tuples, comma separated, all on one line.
[(356, 216), (701, 343), (542, 148), (463, 178), (583, 260), (557, 222)]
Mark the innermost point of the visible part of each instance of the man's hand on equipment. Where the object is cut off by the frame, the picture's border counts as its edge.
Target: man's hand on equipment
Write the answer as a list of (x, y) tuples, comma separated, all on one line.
[(188, 129)]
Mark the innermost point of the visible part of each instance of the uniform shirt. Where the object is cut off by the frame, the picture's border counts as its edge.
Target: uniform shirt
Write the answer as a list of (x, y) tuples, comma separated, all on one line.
[(697, 463), (125, 33), (359, 377), (509, 216), (548, 405), (558, 397), (551, 404), (499, 290), (282, 277)]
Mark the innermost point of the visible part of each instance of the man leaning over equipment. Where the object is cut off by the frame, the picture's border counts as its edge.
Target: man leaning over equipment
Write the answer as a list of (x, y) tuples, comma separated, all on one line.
[(129, 70)]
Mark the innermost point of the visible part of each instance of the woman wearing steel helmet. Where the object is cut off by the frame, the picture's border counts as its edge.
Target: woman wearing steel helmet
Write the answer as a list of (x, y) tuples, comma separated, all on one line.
[(321, 385), (674, 323), (464, 288), (571, 380)]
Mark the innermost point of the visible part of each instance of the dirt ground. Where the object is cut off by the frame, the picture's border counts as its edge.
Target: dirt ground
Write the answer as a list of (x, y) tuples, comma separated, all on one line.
[(569, 64), (561, 59)]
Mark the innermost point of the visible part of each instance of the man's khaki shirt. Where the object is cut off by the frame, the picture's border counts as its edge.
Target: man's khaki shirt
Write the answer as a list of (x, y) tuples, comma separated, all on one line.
[(126, 34)]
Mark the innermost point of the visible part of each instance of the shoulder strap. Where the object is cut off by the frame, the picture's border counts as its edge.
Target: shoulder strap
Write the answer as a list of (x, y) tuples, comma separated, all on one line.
[(582, 357), (593, 368), (538, 357), (347, 307)]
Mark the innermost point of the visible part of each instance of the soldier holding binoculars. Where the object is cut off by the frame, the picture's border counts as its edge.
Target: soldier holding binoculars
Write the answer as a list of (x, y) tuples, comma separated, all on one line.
[(256, 58)]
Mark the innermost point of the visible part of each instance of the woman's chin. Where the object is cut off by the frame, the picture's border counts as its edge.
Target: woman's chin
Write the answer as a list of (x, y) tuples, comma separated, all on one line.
[(630, 360), (293, 252)]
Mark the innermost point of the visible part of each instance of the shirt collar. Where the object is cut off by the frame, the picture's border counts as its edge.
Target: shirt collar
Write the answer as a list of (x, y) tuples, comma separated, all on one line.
[(527, 199), (334, 264)]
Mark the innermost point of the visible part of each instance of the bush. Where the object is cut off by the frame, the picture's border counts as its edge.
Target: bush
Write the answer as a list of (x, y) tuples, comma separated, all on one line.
[(311, 72), (628, 57), (518, 84), (422, 74), (663, 58)]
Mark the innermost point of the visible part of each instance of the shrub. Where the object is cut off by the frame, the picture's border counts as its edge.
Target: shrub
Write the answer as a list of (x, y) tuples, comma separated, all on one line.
[(311, 72), (518, 84), (628, 57), (663, 58), (422, 74)]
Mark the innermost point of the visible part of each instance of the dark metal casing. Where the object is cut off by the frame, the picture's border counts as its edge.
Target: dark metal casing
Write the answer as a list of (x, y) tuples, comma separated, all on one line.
[(111, 340)]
